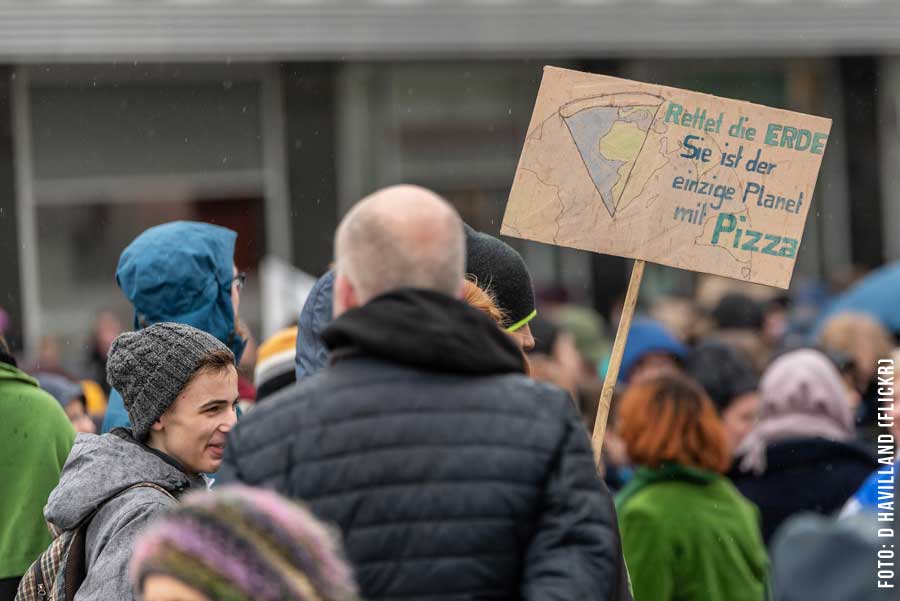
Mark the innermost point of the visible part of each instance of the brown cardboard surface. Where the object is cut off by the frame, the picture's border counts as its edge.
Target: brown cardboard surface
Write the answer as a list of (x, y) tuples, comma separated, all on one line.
[(651, 172)]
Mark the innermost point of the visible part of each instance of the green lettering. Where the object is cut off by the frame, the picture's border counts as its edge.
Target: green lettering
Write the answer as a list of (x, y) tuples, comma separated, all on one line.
[(787, 136), (769, 248), (725, 223), (673, 113), (772, 134), (818, 143), (754, 238), (789, 249)]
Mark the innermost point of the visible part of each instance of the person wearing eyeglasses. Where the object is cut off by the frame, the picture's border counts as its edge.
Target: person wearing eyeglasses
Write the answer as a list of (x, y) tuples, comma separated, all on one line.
[(182, 272)]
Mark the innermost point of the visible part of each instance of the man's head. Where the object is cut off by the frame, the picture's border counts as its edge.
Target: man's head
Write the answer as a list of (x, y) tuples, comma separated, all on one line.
[(179, 386), (399, 237)]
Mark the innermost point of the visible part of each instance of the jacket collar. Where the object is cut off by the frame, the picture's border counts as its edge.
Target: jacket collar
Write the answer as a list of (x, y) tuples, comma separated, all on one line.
[(425, 329), (126, 435), (667, 472)]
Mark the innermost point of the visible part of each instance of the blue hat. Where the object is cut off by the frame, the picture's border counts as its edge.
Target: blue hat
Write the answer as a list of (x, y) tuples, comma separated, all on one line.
[(648, 336)]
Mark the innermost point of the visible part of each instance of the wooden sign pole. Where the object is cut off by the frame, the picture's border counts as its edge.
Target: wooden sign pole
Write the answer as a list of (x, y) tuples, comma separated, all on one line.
[(615, 360)]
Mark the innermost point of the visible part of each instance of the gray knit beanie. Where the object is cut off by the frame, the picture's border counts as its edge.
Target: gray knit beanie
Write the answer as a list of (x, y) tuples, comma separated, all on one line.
[(150, 368)]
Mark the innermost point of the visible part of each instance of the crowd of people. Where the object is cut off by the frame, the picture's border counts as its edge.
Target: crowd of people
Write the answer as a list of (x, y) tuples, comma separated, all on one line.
[(423, 432)]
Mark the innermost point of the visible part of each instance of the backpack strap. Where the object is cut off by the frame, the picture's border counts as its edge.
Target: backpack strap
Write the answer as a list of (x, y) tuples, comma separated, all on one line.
[(76, 562)]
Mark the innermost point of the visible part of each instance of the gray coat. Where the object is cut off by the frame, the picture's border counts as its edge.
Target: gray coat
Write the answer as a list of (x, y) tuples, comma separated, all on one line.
[(98, 468)]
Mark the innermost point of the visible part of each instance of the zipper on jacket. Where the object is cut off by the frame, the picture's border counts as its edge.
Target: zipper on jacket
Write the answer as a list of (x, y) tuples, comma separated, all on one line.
[(42, 591)]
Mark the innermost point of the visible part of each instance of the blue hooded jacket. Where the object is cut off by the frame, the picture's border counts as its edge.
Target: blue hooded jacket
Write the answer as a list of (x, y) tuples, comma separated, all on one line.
[(180, 272)]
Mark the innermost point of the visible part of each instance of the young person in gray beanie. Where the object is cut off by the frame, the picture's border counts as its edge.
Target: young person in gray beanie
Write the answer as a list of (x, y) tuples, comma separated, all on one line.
[(179, 386)]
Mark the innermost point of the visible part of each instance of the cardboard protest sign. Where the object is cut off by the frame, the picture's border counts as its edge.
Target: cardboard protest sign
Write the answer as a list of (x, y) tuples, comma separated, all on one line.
[(666, 175)]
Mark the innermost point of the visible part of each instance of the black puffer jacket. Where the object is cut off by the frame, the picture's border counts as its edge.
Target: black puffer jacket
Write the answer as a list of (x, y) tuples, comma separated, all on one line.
[(451, 474)]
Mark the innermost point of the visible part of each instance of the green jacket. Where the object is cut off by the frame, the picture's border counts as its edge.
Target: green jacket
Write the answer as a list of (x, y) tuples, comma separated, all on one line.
[(35, 439), (689, 535)]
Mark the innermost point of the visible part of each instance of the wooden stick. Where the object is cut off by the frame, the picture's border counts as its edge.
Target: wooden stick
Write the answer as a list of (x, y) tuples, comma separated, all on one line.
[(615, 359)]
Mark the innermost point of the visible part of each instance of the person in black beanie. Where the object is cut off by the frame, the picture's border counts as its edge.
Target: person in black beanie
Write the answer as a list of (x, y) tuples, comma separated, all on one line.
[(495, 266), (728, 378), (500, 269)]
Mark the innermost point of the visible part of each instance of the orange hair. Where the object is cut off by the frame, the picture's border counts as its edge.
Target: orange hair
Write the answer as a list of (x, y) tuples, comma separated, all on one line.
[(670, 419), (483, 301)]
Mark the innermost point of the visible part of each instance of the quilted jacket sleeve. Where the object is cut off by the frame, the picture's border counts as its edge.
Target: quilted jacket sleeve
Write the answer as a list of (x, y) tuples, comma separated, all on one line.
[(576, 552)]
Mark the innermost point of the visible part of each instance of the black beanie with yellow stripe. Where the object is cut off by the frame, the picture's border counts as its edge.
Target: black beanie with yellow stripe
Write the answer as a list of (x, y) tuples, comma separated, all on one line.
[(499, 269)]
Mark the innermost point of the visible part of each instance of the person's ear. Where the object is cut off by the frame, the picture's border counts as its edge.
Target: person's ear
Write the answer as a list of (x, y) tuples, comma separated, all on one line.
[(158, 425)]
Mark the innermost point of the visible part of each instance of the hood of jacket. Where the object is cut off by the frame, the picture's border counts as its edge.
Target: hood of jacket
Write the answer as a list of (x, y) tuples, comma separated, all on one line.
[(312, 355), (427, 330), (182, 272), (100, 467)]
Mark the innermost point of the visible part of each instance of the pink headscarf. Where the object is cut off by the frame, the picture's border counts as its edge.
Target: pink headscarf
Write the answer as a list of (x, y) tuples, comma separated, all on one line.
[(801, 396)]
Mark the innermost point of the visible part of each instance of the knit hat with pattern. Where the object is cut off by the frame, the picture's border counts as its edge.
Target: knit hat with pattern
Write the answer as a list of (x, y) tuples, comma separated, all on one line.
[(152, 366), (243, 544)]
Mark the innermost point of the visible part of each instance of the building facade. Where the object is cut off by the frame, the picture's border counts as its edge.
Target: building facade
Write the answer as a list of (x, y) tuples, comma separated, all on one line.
[(273, 118)]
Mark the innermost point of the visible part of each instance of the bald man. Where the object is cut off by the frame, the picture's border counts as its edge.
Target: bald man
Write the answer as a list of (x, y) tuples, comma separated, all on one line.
[(399, 237), (450, 474)]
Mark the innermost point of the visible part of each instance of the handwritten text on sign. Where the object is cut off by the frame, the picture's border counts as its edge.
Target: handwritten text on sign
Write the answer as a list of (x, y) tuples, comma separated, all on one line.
[(666, 175)]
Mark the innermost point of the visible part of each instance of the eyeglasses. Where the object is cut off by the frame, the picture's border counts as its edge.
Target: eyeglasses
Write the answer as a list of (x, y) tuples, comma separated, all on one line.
[(239, 280)]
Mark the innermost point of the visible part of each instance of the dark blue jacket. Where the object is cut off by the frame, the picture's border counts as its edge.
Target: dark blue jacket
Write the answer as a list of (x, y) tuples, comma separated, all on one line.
[(450, 473), (181, 272), (804, 474), (314, 318)]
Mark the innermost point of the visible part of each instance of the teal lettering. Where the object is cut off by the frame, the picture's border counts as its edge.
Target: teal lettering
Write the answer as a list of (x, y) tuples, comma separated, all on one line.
[(789, 249), (787, 136), (725, 223), (770, 247), (772, 134), (818, 143), (673, 113), (754, 239), (802, 142)]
